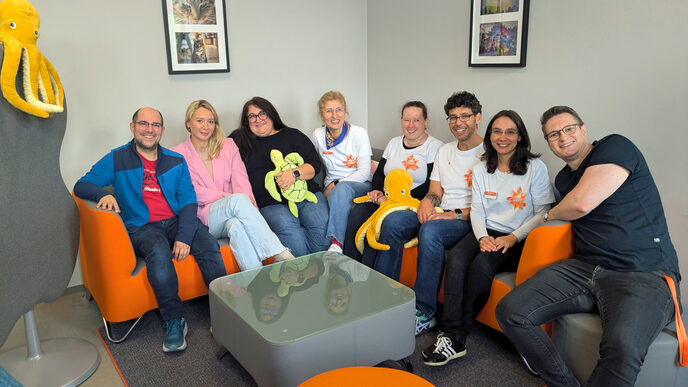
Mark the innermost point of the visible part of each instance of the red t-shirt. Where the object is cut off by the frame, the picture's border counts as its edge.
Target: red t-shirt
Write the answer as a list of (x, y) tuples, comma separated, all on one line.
[(158, 207)]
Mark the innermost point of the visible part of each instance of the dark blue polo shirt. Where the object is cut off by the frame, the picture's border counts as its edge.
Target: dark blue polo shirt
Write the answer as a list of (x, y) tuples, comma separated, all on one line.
[(627, 231)]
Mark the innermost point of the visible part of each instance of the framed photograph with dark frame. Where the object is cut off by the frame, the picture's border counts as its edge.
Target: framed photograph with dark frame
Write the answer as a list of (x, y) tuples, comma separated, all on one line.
[(195, 36), (499, 33)]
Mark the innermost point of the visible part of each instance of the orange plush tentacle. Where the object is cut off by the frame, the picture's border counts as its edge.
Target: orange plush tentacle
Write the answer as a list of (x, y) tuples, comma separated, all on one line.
[(45, 87), (361, 234), (58, 91), (10, 66)]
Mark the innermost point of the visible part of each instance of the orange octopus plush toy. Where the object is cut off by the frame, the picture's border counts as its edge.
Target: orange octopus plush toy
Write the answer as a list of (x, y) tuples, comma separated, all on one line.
[(398, 184), (19, 30)]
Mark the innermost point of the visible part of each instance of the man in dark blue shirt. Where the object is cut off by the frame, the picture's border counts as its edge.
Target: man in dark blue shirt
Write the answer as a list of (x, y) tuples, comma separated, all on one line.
[(622, 250)]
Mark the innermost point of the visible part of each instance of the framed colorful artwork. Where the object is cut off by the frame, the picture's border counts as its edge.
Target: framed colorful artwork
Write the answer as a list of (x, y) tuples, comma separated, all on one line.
[(499, 33), (195, 36)]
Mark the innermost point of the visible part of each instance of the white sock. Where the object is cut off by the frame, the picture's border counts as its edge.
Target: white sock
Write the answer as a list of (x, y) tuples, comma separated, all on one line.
[(284, 256)]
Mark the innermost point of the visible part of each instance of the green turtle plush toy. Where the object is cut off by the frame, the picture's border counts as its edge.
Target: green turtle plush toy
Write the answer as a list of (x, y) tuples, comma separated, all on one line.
[(295, 193)]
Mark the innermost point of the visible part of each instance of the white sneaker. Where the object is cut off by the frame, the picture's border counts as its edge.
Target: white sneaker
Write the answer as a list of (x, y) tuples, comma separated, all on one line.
[(336, 248)]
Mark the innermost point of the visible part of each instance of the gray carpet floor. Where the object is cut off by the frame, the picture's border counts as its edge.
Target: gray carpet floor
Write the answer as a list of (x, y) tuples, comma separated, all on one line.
[(490, 361)]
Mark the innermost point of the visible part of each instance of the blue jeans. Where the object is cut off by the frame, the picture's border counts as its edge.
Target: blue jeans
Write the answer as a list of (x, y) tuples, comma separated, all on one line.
[(340, 200), (302, 235), (250, 237), (433, 237), (633, 307), (153, 242)]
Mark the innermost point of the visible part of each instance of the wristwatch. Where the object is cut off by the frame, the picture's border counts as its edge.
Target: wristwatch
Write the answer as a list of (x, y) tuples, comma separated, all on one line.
[(458, 213), (546, 216), (296, 173)]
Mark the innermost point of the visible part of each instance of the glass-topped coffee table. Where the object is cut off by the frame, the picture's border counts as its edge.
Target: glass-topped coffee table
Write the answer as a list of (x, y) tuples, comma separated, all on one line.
[(291, 320)]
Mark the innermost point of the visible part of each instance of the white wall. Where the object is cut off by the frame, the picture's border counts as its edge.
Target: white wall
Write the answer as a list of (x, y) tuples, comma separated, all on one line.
[(619, 63), (111, 58)]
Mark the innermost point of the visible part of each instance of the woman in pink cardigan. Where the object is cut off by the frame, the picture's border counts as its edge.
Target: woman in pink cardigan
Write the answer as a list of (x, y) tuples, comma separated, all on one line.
[(225, 198)]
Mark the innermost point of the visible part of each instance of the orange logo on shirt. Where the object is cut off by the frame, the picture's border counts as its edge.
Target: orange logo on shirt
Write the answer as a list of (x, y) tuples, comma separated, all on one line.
[(469, 177), (517, 199), (351, 161), (410, 163)]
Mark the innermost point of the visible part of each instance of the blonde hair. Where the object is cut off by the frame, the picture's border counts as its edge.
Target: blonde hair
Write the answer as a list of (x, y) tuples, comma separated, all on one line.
[(217, 138), (327, 97)]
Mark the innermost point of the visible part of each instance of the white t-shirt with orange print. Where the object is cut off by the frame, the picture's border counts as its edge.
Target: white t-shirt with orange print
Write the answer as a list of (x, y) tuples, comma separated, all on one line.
[(347, 161), (413, 160), (454, 170), (507, 201)]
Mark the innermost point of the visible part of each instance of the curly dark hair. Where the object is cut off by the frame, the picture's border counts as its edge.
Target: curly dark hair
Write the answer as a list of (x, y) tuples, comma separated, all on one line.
[(463, 98), (518, 165), (243, 137)]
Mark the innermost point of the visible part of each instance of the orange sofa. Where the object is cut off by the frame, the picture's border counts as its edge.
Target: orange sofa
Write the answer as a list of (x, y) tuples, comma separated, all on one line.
[(111, 273), (546, 244)]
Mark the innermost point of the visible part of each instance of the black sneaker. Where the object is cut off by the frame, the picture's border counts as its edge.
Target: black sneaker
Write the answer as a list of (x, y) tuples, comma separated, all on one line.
[(427, 351), (445, 350)]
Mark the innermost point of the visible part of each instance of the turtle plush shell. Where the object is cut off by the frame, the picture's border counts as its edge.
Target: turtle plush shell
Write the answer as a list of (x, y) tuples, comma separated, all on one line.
[(295, 193)]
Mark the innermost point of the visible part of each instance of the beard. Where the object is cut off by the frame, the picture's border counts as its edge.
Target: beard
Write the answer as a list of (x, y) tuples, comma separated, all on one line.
[(145, 147)]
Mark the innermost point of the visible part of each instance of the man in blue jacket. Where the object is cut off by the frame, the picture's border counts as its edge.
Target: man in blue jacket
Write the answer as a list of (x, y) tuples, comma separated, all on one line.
[(157, 202)]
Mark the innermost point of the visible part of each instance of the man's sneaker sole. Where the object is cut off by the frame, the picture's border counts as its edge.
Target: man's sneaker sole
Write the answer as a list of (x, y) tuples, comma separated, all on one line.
[(447, 360), (181, 347)]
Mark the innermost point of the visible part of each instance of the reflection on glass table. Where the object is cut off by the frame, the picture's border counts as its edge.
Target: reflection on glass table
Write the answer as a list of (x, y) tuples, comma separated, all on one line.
[(291, 299), (291, 320)]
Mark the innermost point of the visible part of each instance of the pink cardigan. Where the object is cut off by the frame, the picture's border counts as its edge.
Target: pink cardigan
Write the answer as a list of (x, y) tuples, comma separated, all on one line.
[(229, 175)]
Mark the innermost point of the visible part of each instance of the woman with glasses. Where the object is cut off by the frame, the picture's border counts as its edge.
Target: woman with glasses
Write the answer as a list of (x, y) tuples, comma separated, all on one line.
[(414, 152), (225, 198), (511, 192), (345, 152), (262, 130)]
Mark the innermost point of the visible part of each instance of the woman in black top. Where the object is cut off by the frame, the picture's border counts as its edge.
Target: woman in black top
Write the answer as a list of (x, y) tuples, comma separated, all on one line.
[(261, 131)]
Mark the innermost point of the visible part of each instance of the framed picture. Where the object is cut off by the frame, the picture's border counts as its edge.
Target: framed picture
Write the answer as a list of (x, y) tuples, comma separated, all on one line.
[(195, 36), (499, 33)]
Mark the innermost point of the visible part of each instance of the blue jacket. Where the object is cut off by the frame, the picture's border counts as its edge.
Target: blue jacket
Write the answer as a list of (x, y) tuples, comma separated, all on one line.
[(123, 169)]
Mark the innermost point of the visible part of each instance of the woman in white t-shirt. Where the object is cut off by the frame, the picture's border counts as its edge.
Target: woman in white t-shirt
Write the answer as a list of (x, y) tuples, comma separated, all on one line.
[(345, 153), (414, 152), (511, 192)]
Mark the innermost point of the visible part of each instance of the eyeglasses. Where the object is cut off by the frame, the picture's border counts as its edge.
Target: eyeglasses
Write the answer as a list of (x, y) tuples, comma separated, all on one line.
[(145, 124), (508, 132), (336, 110), (462, 118), (555, 134), (254, 117)]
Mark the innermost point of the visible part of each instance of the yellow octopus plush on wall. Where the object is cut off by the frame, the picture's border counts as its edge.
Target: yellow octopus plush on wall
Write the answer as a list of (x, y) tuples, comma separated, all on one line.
[(19, 30), (398, 184)]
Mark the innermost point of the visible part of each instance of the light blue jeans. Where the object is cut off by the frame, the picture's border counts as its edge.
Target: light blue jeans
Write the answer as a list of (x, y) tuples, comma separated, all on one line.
[(302, 235), (250, 237), (340, 200)]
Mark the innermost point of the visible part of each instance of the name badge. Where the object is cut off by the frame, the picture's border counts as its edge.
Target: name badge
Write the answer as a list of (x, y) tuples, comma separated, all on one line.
[(490, 195), (327, 153)]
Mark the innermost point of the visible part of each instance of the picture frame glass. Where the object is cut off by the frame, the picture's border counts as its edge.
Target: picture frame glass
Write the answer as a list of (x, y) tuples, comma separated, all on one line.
[(499, 31), (196, 36)]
